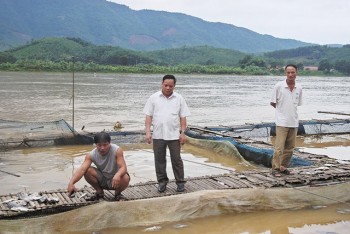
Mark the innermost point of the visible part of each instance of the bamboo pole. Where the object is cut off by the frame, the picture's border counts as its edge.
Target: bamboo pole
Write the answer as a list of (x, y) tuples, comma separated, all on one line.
[(331, 112)]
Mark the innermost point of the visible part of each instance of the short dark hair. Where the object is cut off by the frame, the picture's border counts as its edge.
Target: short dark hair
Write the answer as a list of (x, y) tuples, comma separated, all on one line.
[(102, 137), (291, 65), (172, 77)]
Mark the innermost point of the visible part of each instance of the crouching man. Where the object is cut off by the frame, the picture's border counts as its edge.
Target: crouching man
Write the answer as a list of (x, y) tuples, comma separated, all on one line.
[(110, 172)]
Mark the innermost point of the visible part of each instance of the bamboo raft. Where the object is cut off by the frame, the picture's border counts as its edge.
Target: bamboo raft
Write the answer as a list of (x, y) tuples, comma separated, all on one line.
[(303, 176), (323, 171)]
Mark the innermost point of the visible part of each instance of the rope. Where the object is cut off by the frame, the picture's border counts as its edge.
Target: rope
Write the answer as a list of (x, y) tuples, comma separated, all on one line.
[(10, 173), (217, 167), (317, 195), (140, 177)]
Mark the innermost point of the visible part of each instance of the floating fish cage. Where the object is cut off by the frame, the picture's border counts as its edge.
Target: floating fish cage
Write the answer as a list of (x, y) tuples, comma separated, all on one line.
[(306, 127), (16, 134)]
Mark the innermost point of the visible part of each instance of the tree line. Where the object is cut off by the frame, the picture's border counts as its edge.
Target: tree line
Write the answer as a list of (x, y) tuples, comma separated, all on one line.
[(70, 66)]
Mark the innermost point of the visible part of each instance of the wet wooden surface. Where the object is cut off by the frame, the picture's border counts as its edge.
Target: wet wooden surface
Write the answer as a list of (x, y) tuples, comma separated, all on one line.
[(302, 176)]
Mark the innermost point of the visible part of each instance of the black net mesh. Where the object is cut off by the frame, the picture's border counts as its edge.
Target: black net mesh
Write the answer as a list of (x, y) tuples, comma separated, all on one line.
[(15, 134), (310, 127)]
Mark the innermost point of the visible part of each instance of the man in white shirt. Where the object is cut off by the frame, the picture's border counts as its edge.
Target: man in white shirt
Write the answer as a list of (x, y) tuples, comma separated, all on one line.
[(167, 111), (286, 97)]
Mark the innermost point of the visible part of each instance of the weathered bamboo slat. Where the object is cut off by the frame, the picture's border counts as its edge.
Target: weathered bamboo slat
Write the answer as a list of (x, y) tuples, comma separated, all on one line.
[(244, 183), (202, 185), (232, 184)]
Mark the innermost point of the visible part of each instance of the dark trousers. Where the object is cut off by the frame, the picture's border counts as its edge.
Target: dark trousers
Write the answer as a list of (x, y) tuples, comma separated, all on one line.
[(159, 149)]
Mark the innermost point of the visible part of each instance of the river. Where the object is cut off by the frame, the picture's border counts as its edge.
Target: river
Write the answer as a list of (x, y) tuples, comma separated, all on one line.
[(102, 99)]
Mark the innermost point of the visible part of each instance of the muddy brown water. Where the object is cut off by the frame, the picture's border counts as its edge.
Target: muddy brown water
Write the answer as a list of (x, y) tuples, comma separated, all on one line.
[(102, 99)]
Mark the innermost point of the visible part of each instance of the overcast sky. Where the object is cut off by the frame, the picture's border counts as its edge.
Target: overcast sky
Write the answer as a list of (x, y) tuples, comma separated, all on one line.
[(315, 21)]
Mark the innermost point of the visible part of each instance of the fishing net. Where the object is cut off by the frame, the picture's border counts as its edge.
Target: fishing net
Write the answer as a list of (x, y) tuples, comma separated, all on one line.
[(260, 153), (310, 127), (124, 137), (184, 207), (225, 148), (327, 127), (15, 134)]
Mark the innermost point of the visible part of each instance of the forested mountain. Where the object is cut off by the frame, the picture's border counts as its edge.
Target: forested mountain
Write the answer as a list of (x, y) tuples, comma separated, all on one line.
[(105, 23), (58, 49), (312, 55), (63, 49), (326, 58)]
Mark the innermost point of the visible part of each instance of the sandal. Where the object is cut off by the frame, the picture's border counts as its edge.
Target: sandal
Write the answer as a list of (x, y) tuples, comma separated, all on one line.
[(286, 172), (120, 197), (276, 173), (94, 197)]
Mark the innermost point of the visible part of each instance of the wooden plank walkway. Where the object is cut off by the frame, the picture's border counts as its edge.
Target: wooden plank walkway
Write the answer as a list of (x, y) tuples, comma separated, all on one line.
[(303, 176)]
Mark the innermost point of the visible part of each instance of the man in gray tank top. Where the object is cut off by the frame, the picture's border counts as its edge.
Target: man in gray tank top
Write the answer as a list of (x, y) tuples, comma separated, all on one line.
[(110, 170)]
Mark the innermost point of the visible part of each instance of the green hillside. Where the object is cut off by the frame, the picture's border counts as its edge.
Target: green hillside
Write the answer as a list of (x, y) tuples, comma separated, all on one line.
[(326, 58), (56, 54), (63, 49), (312, 55), (58, 49)]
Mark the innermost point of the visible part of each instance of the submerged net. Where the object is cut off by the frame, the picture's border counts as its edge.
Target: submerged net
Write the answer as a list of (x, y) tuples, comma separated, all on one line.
[(179, 208), (15, 134)]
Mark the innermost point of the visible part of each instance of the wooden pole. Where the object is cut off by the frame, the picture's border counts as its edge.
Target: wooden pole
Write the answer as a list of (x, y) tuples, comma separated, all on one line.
[(73, 96)]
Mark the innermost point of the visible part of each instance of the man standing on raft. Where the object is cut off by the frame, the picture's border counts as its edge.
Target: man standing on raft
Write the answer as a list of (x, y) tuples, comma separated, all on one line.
[(167, 110), (286, 97)]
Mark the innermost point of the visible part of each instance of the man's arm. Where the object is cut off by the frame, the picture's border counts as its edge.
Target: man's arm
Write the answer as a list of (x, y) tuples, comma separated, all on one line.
[(183, 125), (79, 174), (121, 168), (148, 123)]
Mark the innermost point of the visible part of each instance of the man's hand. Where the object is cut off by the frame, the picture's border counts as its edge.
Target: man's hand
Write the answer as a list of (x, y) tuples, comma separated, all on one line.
[(116, 181), (148, 137), (148, 123), (182, 138), (71, 189)]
